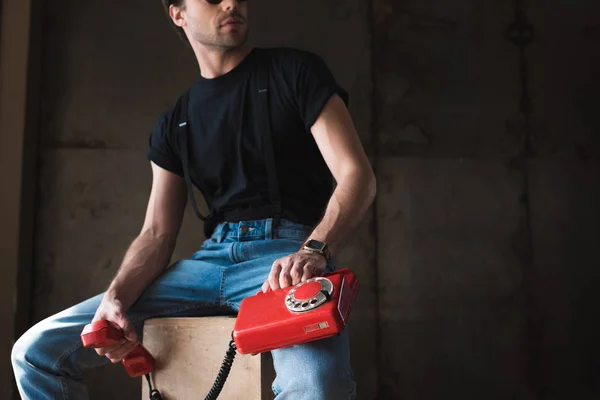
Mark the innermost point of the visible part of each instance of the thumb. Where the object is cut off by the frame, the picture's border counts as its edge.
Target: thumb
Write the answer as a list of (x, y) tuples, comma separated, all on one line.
[(265, 287), (128, 328), (130, 333)]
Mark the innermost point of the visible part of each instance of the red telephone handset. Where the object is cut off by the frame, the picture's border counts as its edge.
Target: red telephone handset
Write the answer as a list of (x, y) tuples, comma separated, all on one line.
[(315, 309), (105, 333)]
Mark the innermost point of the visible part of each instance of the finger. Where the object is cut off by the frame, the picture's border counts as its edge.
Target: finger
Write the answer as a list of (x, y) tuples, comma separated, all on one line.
[(128, 329), (318, 270), (103, 350), (111, 349), (284, 276), (265, 286), (308, 271), (121, 353), (274, 276), (297, 272)]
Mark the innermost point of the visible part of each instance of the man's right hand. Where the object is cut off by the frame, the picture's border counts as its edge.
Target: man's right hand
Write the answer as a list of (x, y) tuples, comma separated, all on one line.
[(112, 310)]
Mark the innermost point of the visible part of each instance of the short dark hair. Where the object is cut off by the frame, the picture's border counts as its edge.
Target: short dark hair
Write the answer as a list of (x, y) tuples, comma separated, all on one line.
[(180, 31)]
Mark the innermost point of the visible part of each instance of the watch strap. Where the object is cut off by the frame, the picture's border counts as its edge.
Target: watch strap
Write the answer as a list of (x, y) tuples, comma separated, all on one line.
[(325, 252)]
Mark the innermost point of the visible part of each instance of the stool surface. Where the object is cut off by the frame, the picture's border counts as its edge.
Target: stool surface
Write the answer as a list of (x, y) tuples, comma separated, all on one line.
[(189, 353)]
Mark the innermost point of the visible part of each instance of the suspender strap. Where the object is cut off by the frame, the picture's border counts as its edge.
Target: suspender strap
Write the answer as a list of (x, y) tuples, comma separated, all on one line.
[(183, 135), (264, 126)]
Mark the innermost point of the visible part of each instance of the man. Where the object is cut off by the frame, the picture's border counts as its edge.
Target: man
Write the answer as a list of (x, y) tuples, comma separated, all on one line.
[(261, 133)]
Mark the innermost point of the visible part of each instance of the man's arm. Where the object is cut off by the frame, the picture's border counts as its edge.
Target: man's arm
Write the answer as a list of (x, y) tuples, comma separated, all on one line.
[(146, 258), (340, 146), (151, 251)]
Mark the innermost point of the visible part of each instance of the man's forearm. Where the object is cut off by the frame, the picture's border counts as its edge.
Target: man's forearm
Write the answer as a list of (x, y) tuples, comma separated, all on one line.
[(145, 259), (349, 202)]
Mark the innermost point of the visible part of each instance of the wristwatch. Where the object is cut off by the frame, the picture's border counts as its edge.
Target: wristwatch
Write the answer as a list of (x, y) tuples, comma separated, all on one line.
[(318, 247)]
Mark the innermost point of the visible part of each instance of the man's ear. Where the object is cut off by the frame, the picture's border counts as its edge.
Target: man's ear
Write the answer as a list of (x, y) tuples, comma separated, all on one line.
[(177, 16)]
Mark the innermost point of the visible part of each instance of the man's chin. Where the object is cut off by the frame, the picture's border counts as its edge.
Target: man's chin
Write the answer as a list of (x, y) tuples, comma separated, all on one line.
[(235, 41)]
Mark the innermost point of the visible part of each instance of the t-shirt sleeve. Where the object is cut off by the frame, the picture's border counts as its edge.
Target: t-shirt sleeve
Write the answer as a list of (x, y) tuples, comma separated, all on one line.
[(314, 86), (161, 149)]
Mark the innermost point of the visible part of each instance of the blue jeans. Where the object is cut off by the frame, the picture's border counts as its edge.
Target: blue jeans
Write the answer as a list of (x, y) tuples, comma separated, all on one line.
[(49, 360)]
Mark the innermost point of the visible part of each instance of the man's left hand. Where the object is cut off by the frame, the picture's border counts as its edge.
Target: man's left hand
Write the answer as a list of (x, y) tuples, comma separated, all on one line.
[(293, 269)]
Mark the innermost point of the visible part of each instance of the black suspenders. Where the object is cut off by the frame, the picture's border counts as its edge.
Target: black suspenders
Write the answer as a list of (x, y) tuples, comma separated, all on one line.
[(263, 123), (183, 143)]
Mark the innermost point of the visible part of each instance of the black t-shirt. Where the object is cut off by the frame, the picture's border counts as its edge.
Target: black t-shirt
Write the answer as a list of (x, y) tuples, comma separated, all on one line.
[(227, 162)]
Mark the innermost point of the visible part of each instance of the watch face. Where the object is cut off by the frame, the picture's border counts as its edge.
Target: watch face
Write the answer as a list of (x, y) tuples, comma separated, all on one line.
[(315, 244)]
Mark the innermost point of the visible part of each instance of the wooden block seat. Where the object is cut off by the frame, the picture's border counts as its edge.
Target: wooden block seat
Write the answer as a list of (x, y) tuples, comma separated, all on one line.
[(189, 353)]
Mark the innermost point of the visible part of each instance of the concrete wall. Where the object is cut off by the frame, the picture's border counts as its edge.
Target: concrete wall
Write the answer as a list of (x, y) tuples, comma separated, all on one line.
[(477, 261), (487, 209), (19, 73)]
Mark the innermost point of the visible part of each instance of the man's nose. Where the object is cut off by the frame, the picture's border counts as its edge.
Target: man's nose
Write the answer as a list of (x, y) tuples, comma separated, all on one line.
[(229, 5)]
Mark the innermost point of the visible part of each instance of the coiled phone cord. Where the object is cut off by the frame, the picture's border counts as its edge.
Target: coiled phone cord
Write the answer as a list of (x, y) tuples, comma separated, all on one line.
[(154, 394), (223, 372), (219, 381)]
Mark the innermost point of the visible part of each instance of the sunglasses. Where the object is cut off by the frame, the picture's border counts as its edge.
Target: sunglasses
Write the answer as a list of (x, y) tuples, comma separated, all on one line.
[(212, 2), (215, 2)]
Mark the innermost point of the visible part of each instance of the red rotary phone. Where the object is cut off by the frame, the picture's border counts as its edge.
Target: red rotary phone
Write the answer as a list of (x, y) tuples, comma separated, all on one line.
[(105, 333), (311, 310)]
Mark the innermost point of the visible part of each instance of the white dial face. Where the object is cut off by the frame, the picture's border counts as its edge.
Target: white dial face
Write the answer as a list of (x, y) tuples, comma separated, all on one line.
[(324, 293)]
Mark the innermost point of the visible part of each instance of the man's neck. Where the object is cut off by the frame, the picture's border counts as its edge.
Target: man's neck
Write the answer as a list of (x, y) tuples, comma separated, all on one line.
[(215, 62)]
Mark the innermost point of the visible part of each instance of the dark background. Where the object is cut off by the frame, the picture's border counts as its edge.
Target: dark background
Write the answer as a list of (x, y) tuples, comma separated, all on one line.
[(479, 260)]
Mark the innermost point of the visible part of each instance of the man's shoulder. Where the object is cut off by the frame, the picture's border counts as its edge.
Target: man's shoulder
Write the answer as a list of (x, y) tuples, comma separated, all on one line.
[(283, 55), (168, 116)]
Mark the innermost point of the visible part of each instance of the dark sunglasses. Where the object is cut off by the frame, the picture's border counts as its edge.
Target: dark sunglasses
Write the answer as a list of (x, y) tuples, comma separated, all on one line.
[(213, 2)]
